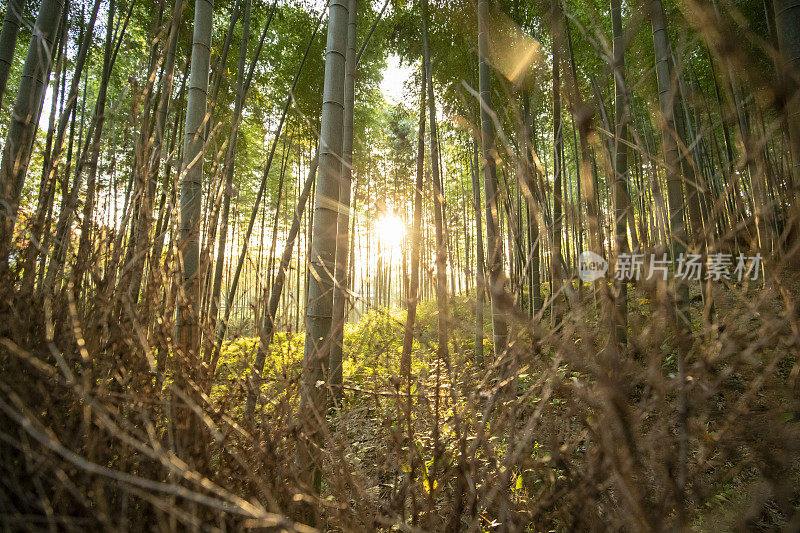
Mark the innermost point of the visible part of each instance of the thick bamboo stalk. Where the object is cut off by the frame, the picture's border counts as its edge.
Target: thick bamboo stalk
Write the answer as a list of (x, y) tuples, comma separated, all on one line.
[(534, 281), (787, 26), (189, 438), (494, 243), (322, 262), (666, 96), (156, 148), (556, 260), (8, 41), (416, 238), (91, 183), (480, 267), (622, 202), (47, 181), (71, 194), (25, 117), (340, 290), (439, 202), (192, 179)]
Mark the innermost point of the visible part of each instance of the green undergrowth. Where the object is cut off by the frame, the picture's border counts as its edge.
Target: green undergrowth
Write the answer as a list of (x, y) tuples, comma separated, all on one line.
[(373, 346), (372, 350), (371, 424)]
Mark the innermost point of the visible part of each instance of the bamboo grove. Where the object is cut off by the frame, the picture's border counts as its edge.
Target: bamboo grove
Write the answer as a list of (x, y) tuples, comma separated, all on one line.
[(552, 285)]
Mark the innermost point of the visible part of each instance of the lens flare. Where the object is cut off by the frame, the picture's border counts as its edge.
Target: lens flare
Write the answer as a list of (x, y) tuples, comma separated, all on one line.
[(390, 230)]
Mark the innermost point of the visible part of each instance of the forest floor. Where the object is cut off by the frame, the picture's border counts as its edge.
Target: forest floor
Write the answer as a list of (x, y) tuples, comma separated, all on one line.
[(737, 378), (562, 432)]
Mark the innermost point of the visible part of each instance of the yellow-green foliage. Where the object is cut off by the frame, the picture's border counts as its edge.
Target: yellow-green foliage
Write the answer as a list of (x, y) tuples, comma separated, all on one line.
[(238, 355), (283, 363), (372, 348), (374, 345)]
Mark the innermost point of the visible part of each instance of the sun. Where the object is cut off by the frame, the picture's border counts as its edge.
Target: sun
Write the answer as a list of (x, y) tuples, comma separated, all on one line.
[(390, 231)]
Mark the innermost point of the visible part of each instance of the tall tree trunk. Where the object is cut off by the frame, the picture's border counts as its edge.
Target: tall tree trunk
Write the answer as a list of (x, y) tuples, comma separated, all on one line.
[(61, 244), (167, 202), (583, 116), (189, 441), (480, 267), (438, 200), (556, 260), (753, 159), (340, 290), (494, 244), (666, 96), (25, 117), (8, 41), (694, 190), (141, 152), (416, 238), (787, 27), (323, 245), (667, 101), (50, 201), (622, 202), (228, 168), (71, 194), (219, 70), (535, 287), (47, 181)]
